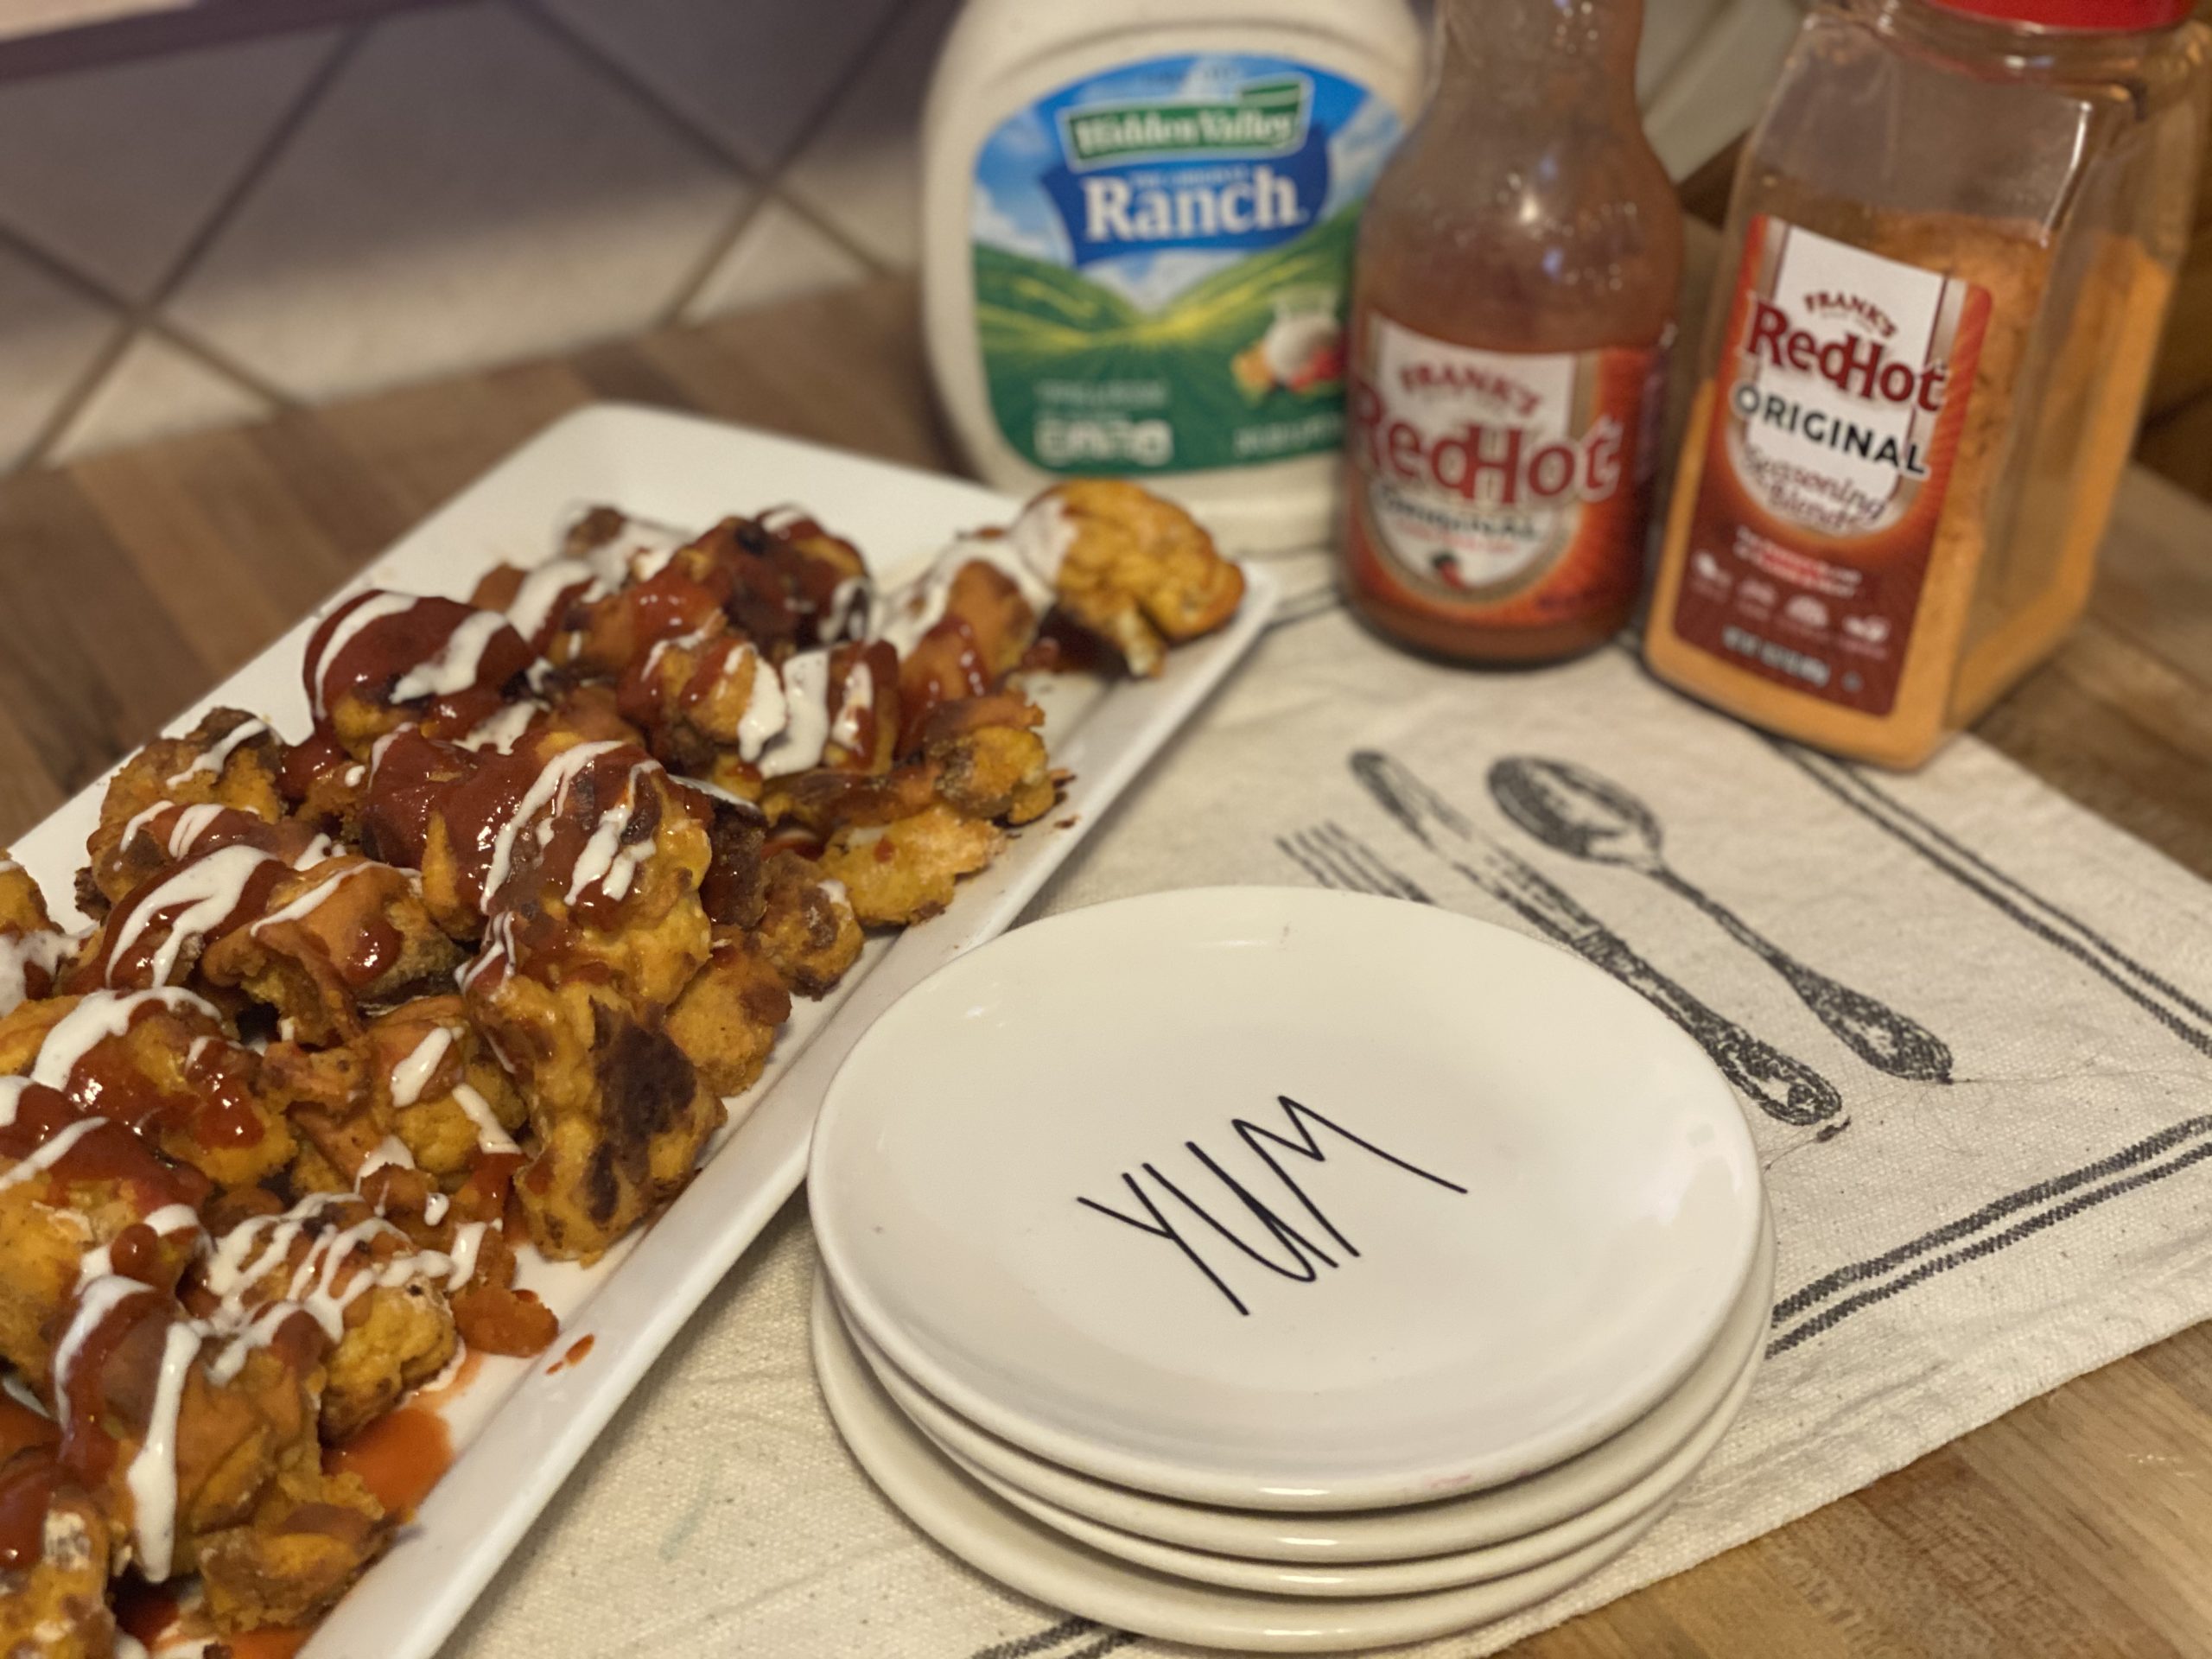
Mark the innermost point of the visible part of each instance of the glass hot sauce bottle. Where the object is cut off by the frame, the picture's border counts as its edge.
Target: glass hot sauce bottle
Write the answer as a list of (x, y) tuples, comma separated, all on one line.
[(1513, 303)]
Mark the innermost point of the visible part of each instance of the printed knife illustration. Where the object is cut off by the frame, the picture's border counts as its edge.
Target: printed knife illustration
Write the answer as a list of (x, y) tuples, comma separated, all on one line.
[(1586, 817), (1783, 1087)]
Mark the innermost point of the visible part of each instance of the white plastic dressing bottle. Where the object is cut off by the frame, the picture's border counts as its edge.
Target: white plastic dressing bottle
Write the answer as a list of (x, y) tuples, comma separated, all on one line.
[(1138, 224)]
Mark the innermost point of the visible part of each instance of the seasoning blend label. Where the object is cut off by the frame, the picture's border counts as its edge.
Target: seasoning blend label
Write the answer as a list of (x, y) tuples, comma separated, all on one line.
[(1502, 488), (1161, 256), (1835, 424)]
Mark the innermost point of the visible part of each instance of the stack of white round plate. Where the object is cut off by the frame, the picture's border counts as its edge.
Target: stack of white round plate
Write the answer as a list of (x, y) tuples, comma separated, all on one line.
[(1283, 1270)]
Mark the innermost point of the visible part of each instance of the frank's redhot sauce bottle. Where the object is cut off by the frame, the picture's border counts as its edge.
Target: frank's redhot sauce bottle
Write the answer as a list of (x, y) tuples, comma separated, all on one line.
[(1513, 303)]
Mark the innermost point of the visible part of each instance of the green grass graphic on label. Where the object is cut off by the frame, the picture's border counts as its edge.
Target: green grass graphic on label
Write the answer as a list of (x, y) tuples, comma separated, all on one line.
[(1244, 366)]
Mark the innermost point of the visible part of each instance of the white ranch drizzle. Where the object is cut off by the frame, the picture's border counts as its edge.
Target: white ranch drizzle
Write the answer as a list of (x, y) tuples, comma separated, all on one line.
[(374, 608), (412, 1075), (797, 745), (765, 714), (210, 890), (308, 902), (1029, 554), (499, 732), (690, 641), (491, 1134), (850, 601), (170, 1218), (604, 859), (98, 1016), (11, 1094), (312, 1289), (545, 790), (392, 1153), (100, 1299), (531, 608), (467, 1241), (498, 946), (15, 1389), (854, 707), (456, 665), (651, 547), (215, 758), (20, 953), (192, 824), (51, 1151), (152, 1475)]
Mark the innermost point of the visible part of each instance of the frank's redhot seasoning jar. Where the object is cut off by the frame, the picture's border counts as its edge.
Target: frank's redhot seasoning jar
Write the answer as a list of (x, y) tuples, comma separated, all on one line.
[(1513, 302), (1954, 235)]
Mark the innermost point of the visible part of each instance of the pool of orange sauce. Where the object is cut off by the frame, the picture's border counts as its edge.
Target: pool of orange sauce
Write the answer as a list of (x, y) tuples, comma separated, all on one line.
[(398, 1457), (577, 1350)]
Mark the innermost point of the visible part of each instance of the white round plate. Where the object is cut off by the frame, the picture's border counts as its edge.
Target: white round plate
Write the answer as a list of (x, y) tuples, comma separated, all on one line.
[(997, 1539), (1397, 1577), (1283, 1199), (1510, 1526)]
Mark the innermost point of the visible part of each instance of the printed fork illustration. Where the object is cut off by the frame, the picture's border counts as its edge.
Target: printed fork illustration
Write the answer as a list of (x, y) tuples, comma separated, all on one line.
[(1783, 1087)]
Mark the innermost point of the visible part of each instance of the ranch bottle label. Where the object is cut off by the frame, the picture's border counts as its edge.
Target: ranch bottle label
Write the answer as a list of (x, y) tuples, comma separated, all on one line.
[(1836, 412), (1161, 258), (1502, 489)]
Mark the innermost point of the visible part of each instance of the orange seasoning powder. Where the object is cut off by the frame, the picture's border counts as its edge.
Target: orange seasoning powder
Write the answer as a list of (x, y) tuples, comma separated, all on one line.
[(1911, 420)]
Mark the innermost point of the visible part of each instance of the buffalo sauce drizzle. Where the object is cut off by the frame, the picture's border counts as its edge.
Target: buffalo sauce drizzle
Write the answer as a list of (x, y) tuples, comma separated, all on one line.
[(387, 649)]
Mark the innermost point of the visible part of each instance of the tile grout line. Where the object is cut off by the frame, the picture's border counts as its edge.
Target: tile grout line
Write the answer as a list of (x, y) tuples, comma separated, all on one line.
[(767, 184), (813, 129), (144, 317)]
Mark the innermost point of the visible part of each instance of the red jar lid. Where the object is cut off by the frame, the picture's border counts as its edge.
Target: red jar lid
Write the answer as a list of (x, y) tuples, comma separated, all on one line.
[(2102, 16)]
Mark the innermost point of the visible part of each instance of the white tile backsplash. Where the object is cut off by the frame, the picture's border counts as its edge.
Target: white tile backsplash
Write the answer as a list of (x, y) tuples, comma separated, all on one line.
[(154, 390), (116, 170), (475, 183), (751, 72), (51, 336), (863, 171), (469, 190), (781, 255)]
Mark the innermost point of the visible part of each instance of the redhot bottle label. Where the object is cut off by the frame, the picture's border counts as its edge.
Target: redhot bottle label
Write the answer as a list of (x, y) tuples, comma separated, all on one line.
[(1838, 405), (1499, 488)]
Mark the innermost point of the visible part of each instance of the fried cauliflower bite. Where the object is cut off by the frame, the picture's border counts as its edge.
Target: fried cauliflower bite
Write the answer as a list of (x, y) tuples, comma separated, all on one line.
[(135, 854), (55, 1560), (234, 1425), (726, 1021), (617, 630), (343, 934), (618, 1134), (375, 1302), (307, 1540), (380, 661), (989, 761), (162, 1064), (32, 949), (589, 846), (903, 871), (101, 1196), (808, 929), (450, 1103), (231, 759), (1138, 571)]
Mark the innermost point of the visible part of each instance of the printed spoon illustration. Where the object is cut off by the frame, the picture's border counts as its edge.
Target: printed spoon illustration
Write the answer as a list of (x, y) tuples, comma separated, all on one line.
[(1587, 816), (1784, 1088)]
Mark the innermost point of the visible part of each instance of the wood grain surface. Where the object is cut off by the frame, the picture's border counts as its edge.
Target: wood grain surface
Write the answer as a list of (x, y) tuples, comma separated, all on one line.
[(2076, 1525)]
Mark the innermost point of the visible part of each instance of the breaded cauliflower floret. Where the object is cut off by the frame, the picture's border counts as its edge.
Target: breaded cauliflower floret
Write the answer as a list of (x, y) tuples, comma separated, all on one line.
[(896, 874), (1138, 571)]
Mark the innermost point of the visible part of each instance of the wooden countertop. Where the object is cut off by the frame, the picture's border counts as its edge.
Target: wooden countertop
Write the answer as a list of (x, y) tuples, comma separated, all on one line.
[(2076, 1524)]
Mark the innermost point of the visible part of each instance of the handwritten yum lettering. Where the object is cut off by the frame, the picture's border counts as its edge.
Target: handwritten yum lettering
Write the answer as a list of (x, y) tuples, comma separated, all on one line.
[(1291, 1254)]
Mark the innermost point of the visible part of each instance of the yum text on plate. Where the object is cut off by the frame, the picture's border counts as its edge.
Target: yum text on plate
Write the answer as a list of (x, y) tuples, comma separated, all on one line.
[(1306, 1258)]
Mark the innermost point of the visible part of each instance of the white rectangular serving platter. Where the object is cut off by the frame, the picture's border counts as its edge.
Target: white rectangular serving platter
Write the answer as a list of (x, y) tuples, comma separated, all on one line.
[(519, 1428)]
